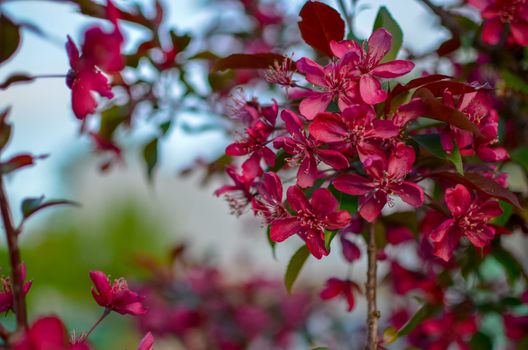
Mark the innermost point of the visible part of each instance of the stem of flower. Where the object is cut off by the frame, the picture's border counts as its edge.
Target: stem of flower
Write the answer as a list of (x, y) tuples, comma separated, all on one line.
[(14, 260), (44, 76), (373, 313), (99, 320)]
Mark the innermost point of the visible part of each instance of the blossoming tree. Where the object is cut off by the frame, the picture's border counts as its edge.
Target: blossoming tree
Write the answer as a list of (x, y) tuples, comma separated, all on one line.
[(363, 143)]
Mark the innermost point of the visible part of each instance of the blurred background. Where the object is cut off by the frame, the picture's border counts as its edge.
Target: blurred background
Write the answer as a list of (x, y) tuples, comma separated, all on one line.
[(122, 214)]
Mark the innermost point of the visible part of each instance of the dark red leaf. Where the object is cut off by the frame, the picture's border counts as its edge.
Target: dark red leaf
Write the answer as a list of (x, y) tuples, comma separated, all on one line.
[(319, 25), (17, 162), (398, 89), (14, 79), (479, 183), (448, 47), (437, 110), (9, 38), (251, 61), (437, 88)]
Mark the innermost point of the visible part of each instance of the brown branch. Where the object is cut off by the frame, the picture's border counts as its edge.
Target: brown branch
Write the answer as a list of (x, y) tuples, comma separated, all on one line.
[(14, 260), (445, 18), (373, 313)]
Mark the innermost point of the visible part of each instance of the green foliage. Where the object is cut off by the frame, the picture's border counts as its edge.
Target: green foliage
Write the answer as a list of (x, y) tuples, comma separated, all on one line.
[(432, 144), (294, 267), (421, 315), (9, 38), (385, 20), (481, 341), (150, 156)]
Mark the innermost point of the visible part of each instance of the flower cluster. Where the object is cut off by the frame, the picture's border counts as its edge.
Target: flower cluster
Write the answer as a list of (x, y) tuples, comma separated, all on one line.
[(196, 304), (100, 52), (503, 19), (354, 153)]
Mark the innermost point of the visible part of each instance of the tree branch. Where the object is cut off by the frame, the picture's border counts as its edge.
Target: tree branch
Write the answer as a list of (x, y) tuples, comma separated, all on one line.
[(445, 18), (372, 310), (14, 260)]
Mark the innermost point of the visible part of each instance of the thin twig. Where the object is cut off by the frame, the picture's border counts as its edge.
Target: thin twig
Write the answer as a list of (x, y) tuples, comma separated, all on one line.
[(372, 310), (14, 260), (99, 320)]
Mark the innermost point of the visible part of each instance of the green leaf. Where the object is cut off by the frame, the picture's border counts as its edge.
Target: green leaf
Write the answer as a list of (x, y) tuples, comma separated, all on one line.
[(294, 267), (150, 156), (520, 156), (390, 335), (432, 143), (9, 38), (385, 20), (421, 315), (271, 243), (514, 82), (111, 118), (328, 238), (180, 42), (5, 128), (509, 263), (481, 341), (30, 206), (507, 210)]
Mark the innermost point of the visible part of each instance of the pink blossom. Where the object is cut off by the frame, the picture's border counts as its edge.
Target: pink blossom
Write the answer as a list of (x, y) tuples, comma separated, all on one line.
[(350, 250), (477, 107), (306, 151), (356, 125), (345, 288), (100, 51), (268, 200), (117, 296), (368, 64), (450, 328), (238, 195), (334, 80), (386, 177), (499, 15), (470, 218), (254, 145), (48, 333), (398, 234), (147, 342), (6, 294), (311, 219), (84, 80)]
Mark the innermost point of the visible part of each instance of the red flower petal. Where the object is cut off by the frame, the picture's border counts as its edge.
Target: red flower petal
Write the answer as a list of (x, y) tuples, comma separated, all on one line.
[(370, 90), (379, 44), (372, 204), (393, 69), (316, 103), (353, 184), (282, 229), (458, 200), (492, 31)]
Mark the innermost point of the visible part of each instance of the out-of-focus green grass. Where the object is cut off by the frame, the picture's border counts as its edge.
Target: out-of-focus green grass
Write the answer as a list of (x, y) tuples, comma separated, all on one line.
[(61, 251)]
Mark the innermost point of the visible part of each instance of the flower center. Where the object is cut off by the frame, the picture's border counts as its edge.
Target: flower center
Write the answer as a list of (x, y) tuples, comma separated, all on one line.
[(310, 221), (510, 10)]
